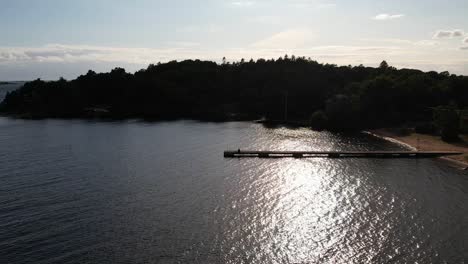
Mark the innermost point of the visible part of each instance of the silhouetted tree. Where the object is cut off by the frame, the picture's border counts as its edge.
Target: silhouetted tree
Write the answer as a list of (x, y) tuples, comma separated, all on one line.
[(330, 96), (383, 65), (319, 120), (447, 121)]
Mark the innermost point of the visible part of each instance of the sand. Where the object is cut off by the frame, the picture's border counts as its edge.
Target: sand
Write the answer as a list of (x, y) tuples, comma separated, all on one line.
[(425, 142)]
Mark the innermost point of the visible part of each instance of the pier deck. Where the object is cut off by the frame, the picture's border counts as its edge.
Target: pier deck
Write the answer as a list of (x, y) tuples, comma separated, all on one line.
[(337, 154)]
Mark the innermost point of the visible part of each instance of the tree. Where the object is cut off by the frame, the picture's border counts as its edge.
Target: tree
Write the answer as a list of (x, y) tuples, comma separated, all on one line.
[(319, 120), (330, 96), (383, 65), (447, 120), (342, 112)]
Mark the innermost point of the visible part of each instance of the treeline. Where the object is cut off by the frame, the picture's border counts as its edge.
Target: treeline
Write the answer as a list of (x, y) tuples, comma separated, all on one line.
[(294, 88)]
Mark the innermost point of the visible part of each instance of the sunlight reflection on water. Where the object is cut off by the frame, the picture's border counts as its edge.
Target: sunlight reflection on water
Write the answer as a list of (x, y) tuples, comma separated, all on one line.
[(317, 210), (298, 211)]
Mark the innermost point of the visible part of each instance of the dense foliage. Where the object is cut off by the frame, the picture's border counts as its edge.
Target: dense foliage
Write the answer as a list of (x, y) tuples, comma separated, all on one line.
[(447, 120), (334, 97)]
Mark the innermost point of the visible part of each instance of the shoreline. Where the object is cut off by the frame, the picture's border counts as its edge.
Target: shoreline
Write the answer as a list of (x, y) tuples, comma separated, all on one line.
[(415, 141), (412, 141)]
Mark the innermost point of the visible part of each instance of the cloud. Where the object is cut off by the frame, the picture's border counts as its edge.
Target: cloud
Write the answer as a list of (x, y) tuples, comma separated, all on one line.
[(387, 40), (242, 3), (326, 5), (55, 60), (383, 17), (458, 33), (269, 20), (183, 44), (426, 43), (58, 53), (465, 41), (322, 4), (441, 34), (203, 29), (290, 39)]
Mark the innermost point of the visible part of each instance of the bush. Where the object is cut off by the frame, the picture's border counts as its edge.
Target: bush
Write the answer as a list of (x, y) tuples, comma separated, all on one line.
[(447, 120), (318, 120), (342, 112)]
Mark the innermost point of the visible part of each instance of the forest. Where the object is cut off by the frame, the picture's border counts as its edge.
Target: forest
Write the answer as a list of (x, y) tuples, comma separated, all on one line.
[(287, 89)]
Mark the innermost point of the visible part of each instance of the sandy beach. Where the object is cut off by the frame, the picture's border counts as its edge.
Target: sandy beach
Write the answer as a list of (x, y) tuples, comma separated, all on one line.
[(425, 142)]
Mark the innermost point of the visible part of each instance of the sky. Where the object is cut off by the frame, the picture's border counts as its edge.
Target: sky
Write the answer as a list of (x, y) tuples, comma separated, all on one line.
[(49, 39)]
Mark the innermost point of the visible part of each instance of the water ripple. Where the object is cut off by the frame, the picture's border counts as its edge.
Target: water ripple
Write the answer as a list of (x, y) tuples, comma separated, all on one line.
[(135, 192)]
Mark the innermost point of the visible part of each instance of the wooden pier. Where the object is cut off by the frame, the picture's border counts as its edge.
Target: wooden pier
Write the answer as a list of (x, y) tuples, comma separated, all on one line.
[(337, 154)]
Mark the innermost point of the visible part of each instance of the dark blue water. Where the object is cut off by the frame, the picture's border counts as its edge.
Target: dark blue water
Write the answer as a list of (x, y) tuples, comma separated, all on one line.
[(135, 192)]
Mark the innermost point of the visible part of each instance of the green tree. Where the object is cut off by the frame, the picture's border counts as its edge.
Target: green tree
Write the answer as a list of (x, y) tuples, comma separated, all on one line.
[(447, 120), (346, 97), (319, 120), (383, 65), (342, 112)]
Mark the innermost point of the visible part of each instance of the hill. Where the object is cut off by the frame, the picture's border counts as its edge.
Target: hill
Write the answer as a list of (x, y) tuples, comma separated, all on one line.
[(328, 96)]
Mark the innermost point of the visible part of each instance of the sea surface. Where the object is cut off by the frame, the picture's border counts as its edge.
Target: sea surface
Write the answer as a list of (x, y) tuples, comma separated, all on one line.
[(137, 192)]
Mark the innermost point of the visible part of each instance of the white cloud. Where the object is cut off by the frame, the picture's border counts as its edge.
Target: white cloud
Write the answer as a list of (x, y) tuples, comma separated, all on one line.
[(85, 53), (76, 59), (387, 40), (409, 56), (458, 33), (441, 34), (465, 41), (426, 43), (290, 39), (242, 3), (183, 44), (203, 29), (383, 17), (270, 20), (321, 4), (313, 3), (326, 5)]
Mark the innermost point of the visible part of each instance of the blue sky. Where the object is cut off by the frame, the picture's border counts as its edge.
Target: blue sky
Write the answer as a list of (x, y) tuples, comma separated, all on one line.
[(52, 38)]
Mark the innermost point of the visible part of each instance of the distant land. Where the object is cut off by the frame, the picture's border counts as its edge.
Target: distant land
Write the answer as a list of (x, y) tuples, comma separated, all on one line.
[(289, 89), (11, 82)]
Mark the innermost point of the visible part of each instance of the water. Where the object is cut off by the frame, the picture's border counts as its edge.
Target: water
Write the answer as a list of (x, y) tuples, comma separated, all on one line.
[(135, 192)]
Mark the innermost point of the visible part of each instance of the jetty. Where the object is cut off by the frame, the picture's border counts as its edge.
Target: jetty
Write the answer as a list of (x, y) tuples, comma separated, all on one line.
[(336, 154)]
